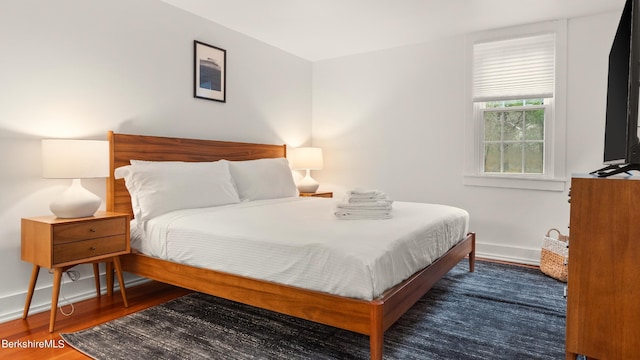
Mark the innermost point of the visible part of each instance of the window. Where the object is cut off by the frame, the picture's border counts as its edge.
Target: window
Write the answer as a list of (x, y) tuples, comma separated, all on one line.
[(517, 98), (513, 136)]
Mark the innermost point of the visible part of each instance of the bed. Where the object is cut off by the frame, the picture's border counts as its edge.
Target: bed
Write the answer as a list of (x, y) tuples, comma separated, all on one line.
[(368, 316)]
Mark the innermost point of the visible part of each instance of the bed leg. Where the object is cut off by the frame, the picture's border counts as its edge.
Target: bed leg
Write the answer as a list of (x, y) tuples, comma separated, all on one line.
[(376, 343), (472, 254), (376, 336)]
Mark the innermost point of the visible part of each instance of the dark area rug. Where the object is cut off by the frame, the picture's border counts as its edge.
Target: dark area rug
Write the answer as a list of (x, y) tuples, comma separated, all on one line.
[(498, 312)]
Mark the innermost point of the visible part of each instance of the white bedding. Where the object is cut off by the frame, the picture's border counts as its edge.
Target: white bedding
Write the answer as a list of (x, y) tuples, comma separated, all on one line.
[(299, 242)]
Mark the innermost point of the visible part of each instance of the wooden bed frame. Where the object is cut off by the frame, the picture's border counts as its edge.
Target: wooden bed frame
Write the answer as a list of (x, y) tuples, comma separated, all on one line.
[(370, 318)]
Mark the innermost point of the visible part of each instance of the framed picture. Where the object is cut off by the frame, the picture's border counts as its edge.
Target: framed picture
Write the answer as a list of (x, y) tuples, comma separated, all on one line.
[(209, 72)]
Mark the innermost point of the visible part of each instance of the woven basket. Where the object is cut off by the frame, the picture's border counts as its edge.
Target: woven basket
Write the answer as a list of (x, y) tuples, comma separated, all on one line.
[(554, 256)]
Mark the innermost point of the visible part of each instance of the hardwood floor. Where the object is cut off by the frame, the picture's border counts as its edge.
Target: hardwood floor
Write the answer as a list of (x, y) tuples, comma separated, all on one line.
[(87, 313)]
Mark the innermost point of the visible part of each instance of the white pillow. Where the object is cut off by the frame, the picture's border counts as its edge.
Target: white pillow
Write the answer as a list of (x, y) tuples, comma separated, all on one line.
[(263, 179), (157, 188)]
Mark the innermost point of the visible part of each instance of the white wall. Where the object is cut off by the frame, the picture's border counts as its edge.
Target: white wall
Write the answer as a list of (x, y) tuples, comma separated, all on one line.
[(76, 69), (394, 120)]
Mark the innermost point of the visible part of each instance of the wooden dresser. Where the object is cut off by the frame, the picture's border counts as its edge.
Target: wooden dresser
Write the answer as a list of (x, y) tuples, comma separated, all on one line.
[(603, 301)]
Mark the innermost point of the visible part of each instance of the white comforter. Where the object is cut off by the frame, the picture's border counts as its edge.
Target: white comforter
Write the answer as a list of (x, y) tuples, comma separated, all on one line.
[(299, 242)]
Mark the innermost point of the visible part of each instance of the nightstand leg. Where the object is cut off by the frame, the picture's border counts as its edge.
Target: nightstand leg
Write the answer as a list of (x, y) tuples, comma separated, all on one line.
[(96, 275), (32, 286), (116, 263), (109, 276), (57, 278)]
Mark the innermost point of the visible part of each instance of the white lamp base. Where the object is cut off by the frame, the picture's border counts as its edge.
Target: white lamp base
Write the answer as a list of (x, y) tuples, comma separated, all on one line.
[(75, 202), (308, 184)]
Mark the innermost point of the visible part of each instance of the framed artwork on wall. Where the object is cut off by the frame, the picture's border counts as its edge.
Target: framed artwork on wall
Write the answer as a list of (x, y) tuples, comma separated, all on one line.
[(209, 72)]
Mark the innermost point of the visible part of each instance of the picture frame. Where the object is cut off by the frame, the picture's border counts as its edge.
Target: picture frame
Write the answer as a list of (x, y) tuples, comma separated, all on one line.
[(209, 72)]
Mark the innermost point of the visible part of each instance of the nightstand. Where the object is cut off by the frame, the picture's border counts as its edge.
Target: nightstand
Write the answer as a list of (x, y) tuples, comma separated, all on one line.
[(60, 244), (327, 194)]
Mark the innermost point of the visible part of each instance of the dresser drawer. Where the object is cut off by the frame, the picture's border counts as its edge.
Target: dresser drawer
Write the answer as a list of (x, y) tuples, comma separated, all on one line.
[(71, 251), (71, 232)]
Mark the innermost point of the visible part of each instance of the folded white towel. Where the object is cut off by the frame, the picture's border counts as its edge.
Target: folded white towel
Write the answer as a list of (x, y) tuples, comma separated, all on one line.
[(356, 196), (369, 205), (367, 196), (364, 205), (358, 192), (356, 200), (362, 215)]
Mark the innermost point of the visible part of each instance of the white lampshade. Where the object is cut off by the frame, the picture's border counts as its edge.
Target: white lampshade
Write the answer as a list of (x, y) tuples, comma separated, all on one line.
[(306, 158), (75, 159)]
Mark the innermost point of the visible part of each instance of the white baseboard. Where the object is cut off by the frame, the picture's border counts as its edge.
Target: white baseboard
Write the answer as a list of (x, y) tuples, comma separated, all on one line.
[(514, 254), (81, 289)]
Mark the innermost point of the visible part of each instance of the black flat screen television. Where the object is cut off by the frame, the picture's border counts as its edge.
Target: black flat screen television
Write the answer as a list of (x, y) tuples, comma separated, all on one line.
[(621, 143)]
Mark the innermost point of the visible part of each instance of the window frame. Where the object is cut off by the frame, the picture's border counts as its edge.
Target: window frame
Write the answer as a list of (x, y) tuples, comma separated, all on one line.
[(553, 176)]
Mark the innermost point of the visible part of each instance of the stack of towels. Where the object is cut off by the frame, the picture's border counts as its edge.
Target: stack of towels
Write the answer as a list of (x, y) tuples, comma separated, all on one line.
[(364, 205)]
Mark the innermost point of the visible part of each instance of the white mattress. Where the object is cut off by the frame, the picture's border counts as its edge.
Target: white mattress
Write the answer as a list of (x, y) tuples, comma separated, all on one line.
[(299, 242)]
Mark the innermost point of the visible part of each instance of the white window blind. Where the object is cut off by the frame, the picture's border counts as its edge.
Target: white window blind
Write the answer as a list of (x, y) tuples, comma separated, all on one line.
[(520, 68)]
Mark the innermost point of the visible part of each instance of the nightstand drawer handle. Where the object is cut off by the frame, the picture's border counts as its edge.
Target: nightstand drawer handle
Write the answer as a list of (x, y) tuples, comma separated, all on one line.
[(92, 248), (92, 230)]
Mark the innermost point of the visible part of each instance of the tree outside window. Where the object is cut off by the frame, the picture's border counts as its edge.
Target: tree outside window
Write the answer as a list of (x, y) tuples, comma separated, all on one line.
[(513, 140)]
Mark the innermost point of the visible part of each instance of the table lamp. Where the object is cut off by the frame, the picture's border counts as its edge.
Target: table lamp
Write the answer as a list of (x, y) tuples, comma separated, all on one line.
[(307, 158), (75, 159)]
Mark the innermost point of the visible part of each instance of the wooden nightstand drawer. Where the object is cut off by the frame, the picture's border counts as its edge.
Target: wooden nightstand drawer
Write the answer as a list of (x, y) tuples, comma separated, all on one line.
[(42, 235), (88, 248), (63, 233)]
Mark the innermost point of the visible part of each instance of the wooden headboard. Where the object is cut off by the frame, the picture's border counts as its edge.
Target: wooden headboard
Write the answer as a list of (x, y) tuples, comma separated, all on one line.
[(125, 147)]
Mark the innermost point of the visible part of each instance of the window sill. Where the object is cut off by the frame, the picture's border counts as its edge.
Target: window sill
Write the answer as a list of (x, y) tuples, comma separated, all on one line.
[(515, 182)]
